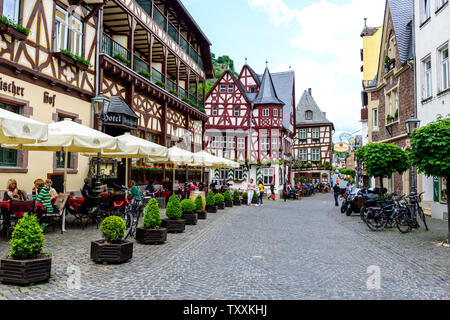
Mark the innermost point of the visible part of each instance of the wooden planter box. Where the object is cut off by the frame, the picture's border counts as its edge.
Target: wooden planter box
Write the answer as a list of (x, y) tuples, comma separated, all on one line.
[(221, 206), (151, 236), (111, 252), (81, 65), (201, 215), (229, 204), (26, 271), (244, 200), (190, 218), (211, 209), (64, 57), (16, 34), (237, 202), (174, 226), (254, 201)]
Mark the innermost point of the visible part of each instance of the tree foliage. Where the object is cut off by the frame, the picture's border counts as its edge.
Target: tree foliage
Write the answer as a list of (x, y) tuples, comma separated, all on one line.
[(152, 215), (113, 228), (210, 201), (27, 239), (199, 203), (227, 195), (187, 206), (430, 148), (383, 159), (218, 198), (173, 209)]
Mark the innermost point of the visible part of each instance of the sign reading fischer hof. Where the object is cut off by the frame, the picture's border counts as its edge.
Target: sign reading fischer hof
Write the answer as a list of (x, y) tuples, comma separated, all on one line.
[(11, 88), (49, 99)]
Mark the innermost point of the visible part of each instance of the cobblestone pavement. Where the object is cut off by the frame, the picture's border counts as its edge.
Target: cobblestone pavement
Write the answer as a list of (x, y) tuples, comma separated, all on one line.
[(303, 249)]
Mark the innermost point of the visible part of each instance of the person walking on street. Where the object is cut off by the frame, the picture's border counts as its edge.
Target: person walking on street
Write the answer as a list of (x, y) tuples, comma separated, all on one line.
[(250, 189), (272, 191), (336, 191), (261, 193)]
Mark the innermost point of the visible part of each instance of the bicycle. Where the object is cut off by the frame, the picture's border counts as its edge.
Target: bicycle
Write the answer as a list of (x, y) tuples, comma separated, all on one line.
[(415, 199)]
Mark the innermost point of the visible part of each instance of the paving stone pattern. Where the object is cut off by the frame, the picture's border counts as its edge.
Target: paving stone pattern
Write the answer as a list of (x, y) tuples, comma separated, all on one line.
[(304, 249)]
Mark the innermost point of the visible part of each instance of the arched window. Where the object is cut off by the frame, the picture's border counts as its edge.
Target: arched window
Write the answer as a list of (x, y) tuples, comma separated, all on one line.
[(308, 115)]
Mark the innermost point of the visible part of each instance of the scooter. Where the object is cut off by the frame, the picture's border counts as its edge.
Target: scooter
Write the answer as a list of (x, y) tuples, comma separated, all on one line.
[(352, 201)]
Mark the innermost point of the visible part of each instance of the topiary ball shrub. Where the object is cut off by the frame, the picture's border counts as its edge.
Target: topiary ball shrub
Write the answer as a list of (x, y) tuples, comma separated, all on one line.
[(152, 215), (187, 206), (255, 195), (113, 229), (27, 239), (173, 209), (218, 198), (236, 195), (245, 195), (199, 203), (210, 200), (227, 196)]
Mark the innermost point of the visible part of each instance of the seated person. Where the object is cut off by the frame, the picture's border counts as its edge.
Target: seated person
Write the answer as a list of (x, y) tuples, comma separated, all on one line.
[(149, 187), (87, 190), (134, 190), (12, 192), (43, 196), (53, 193)]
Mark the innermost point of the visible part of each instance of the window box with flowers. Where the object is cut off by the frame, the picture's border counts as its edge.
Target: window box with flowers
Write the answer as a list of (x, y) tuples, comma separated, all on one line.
[(72, 59), (121, 58), (15, 30)]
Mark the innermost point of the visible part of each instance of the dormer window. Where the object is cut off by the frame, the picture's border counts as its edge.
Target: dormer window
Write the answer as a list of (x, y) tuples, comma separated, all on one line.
[(252, 90), (308, 115)]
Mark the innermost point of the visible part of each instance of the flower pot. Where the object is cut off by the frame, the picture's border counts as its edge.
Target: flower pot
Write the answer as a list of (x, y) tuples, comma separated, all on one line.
[(191, 218), (26, 271), (151, 236), (244, 200), (16, 34), (174, 226), (103, 252), (64, 57), (201, 215), (211, 209), (254, 201), (229, 204), (237, 202), (221, 205), (81, 65)]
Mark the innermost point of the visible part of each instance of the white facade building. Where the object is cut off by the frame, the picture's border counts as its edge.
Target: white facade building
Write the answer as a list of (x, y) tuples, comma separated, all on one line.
[(432, 35)]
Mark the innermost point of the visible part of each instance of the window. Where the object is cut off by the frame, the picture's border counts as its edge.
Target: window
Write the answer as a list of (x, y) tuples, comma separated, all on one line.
[(440, 3), (60, 155), (265, 144), (230, 88), (274, 144), (308, 115), (238, 174), (11, 10), (231, 142), (268, 174), (241, 143), (265, 112), (8, 157), (275, 112), (236, 111), (445, 69), (425, 9), (68, 32), (223, 142), (303, 154), (427, 79), (316, 133), (214, 111), (302, 134), (223, 88), (215, 142), (252, 90), (375, 118), (315, 154)]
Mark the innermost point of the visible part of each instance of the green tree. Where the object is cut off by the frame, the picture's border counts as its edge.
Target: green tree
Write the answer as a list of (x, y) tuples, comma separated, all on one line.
[(199, 203), (152, 215), (27, 239), (430, 152), (173, 209), (381, 160)]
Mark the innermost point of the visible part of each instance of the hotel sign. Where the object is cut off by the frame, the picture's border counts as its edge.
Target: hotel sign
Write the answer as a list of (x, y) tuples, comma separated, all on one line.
[(11, 87)]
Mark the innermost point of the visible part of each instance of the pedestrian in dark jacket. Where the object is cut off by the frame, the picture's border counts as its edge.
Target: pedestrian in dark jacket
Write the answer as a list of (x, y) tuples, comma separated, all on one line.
[(336, 191)]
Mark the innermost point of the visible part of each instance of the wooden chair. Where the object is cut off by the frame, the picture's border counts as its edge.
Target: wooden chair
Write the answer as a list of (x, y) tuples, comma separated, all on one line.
[(60, 203)]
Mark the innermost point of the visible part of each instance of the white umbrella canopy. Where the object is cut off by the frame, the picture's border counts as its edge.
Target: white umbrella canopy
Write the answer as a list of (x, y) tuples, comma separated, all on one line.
[(206, 160), (17, 129), (176, 156)]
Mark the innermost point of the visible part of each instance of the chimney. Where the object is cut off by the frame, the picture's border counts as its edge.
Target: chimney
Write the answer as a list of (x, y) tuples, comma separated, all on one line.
[(309, 91)]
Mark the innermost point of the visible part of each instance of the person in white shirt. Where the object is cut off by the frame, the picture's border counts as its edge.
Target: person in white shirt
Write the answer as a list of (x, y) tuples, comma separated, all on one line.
[(251, 187)]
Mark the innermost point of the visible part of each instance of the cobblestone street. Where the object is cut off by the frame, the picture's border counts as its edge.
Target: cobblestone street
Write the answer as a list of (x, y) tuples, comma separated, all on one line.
[(302, 249)]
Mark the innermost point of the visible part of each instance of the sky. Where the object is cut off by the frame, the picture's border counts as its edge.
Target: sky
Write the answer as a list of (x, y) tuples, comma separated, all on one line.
[(319, 39)]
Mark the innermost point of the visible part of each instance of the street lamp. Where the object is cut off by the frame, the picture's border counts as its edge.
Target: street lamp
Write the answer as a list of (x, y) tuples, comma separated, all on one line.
[(100, 105), (412, 124)]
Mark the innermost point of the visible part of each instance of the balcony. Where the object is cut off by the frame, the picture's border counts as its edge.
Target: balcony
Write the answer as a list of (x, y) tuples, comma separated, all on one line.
[(120, 54)]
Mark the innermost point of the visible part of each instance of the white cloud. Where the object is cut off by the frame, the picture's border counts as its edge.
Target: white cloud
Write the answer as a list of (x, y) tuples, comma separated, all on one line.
[(331, 31)]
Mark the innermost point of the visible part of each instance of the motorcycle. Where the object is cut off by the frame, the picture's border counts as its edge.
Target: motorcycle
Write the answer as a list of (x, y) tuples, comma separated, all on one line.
[(353, 201)]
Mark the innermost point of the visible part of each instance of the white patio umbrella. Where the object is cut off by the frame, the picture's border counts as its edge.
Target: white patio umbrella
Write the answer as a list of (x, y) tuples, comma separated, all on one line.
[(135, 148), (17, 129)]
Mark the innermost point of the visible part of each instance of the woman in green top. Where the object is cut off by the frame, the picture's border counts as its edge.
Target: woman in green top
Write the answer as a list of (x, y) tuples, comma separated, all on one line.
[(43, 195), (134, 190)]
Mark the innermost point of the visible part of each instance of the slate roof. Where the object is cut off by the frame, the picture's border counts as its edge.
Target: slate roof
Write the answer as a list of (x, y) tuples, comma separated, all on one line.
[(267, 93), (402, 15), (368, 31), (306, 103), (284, 84), (117, 105), (254, 74)]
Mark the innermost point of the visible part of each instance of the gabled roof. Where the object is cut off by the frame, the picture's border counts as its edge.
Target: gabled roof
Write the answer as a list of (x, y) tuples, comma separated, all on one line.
[(267, 93), (306, 103), (369, 31), (238, 83), (254, 75), (402, 15), (117, 105)]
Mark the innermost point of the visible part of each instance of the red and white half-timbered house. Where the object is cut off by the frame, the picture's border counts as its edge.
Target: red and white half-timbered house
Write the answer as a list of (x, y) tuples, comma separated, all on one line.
[(251, 120)]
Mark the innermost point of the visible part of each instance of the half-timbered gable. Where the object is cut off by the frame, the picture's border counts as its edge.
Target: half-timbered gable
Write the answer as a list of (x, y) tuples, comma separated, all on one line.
[(249, 79)]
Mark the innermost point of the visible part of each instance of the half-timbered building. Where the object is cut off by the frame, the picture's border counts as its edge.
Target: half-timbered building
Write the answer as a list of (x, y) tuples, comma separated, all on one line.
[(312, 148), (251, 120)]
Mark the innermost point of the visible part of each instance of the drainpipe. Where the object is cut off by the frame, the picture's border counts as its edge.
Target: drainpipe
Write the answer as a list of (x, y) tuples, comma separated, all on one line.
[(97, 64), (250, 142)]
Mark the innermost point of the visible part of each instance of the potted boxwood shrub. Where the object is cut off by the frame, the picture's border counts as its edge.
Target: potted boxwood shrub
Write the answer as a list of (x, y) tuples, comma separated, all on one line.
[(189, 214), (236, 200), (151, 233), (201, 213), (255, 197), (174, 223), (219, 200), (211, 202), (112, 249), (244, 198), (228, 199), (26, 263)]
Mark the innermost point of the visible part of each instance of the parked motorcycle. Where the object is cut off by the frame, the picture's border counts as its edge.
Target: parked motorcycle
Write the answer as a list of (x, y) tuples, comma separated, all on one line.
[(353, 201)]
